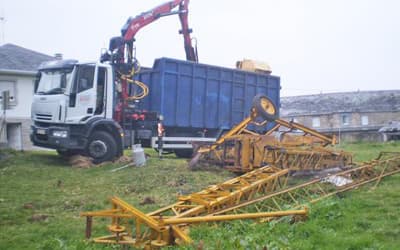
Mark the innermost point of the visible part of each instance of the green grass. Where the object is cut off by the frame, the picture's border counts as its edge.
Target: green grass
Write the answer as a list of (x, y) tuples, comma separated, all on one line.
[(40, 183), (368, 151)]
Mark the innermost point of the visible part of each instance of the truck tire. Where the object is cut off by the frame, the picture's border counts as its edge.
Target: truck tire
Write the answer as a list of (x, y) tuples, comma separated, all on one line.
[(265, 107), (101, 147)]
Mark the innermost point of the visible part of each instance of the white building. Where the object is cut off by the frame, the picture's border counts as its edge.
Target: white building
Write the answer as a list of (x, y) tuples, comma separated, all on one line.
[(18, 67)]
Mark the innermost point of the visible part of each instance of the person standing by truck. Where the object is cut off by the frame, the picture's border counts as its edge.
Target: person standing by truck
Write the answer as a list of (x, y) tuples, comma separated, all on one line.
[(160, 133)]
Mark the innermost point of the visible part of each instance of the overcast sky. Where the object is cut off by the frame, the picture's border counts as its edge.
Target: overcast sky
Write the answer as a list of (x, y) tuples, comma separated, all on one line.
[(313, 45)]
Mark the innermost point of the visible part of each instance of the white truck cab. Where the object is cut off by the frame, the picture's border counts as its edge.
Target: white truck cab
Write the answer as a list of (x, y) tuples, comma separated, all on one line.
[(72, 110)]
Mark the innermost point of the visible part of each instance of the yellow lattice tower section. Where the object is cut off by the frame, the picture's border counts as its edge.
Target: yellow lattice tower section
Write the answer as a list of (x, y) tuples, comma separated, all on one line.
[(167, 225)]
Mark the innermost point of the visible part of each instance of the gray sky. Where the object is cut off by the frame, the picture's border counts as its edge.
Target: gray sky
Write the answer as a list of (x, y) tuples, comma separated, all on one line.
[(313, 45)]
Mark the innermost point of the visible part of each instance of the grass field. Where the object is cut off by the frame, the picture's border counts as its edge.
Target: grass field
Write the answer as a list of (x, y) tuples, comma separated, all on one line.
[(41, 197)]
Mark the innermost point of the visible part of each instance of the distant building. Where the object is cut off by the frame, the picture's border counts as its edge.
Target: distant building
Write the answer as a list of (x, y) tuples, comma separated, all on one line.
[(391, 131), (353, 116), (18, 67)]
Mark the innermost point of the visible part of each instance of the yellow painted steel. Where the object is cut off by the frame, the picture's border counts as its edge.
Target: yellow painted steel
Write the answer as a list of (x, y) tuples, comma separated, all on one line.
[(245, 152), (241, 150), (268, 106), (263, 191), (387, 163), (215, 218), (166, 226), (235, 130), (325, 139)]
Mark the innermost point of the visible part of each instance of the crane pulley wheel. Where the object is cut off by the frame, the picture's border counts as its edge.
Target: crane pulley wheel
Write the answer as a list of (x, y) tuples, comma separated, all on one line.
[(265, 108)]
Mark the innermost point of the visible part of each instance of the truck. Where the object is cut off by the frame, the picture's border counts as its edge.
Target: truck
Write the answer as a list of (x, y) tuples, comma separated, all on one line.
[(100, 108)]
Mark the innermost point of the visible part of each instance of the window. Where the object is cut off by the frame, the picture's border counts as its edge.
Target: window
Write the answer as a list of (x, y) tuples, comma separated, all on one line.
[(346, 119), (316, 122), (10, 86), (101, 84), (52, 82), (85, 77), (364, 120)]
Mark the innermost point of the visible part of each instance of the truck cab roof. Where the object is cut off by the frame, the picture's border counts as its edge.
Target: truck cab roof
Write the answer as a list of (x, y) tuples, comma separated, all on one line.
[(58, 64), (61, 64)]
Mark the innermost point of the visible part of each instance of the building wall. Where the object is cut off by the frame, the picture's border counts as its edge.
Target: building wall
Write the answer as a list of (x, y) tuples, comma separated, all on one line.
[(354, 130), (21, 107), (20, 112), (374, 119)]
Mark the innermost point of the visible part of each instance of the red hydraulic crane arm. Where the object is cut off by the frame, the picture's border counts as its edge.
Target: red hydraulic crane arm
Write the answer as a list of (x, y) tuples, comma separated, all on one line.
[(121, 49), (191, 52), (133, 25)]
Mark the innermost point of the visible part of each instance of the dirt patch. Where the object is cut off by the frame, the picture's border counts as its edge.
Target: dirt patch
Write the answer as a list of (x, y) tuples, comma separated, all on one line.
[(147, 200), (123, 159), (79, 161), (28, 206)]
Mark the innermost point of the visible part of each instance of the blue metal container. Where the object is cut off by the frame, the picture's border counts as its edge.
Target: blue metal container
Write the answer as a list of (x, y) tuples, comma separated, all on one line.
[(201, 96)]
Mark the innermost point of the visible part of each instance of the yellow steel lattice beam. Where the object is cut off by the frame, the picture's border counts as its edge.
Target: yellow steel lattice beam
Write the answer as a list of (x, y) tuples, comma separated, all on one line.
[(166, 225)]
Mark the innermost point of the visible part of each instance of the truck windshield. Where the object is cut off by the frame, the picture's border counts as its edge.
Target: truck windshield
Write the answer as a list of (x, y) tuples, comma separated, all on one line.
[(53, 82)]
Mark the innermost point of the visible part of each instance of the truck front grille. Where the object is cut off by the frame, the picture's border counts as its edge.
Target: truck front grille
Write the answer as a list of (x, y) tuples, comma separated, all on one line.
[(44, 117), (42, 137)]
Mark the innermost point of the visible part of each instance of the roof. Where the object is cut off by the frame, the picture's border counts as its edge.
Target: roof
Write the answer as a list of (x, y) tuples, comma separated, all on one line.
[(16, 58), (360, 101)]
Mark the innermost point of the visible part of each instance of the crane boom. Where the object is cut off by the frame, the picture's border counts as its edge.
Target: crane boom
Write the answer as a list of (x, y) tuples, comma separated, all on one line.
[(121, 49), (134, 24)]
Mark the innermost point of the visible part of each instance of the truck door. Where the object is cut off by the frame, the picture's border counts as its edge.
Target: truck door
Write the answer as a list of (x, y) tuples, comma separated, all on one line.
[(82, 99)]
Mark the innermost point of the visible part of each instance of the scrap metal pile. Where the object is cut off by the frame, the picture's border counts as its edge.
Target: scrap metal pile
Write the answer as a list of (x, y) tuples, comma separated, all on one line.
[(264, 191)]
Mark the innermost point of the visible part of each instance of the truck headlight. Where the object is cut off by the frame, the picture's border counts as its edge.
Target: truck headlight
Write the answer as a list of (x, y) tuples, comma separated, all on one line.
[(60, 133)]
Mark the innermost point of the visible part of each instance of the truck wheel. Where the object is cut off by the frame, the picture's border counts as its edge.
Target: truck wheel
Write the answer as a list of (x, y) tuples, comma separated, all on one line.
[(265, 107), (101, 147), (184, 153)]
